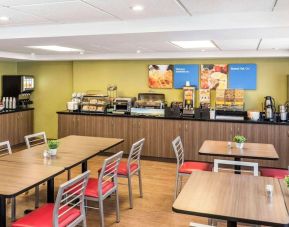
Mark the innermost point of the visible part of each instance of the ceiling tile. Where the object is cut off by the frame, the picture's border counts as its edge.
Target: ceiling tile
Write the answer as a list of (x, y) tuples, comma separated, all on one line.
[(282, 5), (28, 2), (228, 6), (269, 44), (152, 8), (238, 44), (19, 18), (66, 12)]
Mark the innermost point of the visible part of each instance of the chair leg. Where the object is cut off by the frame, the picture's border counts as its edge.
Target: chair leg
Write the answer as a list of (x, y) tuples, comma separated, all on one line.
[(101, 214), (181, 182), (130, 192), (117, 206), (140, 184), (36, 196), (84, 222), (13, 209), (177, 186)]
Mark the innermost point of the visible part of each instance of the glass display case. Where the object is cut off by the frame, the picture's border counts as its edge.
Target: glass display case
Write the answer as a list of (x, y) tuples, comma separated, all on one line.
[(95, 103)]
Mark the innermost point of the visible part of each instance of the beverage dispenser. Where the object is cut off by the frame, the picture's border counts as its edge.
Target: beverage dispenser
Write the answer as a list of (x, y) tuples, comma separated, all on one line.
[(188, 99), (19, 88)]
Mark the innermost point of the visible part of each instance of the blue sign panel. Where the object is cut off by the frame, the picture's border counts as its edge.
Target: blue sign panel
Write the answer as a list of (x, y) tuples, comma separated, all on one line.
[(183, 73), (243, 76)]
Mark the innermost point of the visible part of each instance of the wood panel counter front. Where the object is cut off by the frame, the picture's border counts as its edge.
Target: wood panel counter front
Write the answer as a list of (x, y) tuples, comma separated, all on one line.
[(14, 125), (159, 134)]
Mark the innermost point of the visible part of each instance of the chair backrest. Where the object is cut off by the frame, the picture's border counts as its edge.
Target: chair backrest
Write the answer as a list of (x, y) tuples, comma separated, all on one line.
[(135, 153), (108, 173), (5, 148), (179, 151), (218, 162), (71, 192), (35, 139)]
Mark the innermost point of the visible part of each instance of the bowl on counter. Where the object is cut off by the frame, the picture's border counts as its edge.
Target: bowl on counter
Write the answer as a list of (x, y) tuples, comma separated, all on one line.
[(253, 115)]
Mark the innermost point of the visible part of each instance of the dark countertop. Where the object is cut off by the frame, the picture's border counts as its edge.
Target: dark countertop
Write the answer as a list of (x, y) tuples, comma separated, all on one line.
[(170, 118), (15, 111)]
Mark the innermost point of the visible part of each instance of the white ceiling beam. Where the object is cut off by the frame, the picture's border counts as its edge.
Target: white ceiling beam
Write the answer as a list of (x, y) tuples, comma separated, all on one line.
[(203, 23), (155, 55)]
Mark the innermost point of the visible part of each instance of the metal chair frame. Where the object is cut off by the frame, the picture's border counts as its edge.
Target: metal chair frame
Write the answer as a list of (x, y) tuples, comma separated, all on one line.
[(218, 162), (134, 158), (39, 138), (68, 193), (5, 146), (179, 152), (108, 173), (35, 139)]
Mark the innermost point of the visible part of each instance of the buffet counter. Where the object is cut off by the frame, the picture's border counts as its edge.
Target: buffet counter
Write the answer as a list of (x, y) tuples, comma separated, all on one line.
[(170, 118), (15, 124), (160, 131)]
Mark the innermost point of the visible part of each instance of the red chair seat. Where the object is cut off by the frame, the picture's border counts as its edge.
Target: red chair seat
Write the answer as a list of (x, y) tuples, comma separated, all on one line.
[(276, 173), (92, 187), (122, 168), (189, 167), (42, 217)]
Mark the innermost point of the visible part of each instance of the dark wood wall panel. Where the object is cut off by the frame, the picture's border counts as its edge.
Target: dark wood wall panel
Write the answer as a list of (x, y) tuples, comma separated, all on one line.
[(159, 134)]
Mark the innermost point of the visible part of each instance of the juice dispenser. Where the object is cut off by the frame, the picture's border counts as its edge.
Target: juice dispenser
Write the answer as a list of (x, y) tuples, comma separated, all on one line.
[(188, 99)]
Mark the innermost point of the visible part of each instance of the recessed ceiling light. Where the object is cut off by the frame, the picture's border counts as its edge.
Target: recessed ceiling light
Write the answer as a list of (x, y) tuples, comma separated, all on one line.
[(56, 48), (138, 51), (4, 18), (81, 52), (32, 54), (194, 44), (137, 8), (203, 50)]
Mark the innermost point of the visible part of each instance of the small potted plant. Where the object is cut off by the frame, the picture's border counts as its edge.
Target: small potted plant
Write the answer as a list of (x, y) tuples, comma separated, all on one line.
[(53, 145), (239, 140)]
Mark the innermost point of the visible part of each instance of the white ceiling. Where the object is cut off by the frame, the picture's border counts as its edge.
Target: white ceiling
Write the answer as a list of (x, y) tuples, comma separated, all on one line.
[(109, 29)]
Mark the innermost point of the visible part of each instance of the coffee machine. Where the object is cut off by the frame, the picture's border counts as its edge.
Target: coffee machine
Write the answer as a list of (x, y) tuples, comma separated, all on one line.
[(269, 108)]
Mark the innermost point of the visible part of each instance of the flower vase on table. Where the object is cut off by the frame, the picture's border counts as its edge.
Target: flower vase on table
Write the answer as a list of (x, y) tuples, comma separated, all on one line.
[(53, 145), (239, 141)]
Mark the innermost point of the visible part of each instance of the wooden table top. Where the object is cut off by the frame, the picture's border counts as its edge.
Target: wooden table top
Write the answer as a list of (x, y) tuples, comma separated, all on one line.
[(72, 151), (19, 177), (250, 150), (232, 197)]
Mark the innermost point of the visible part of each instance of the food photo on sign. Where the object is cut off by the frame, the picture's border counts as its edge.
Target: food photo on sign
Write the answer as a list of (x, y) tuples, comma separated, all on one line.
[(161, 76), (214, 76)]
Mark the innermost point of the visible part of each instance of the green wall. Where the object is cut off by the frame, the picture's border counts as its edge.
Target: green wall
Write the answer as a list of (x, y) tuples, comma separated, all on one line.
[(53, 87), (55, 81)]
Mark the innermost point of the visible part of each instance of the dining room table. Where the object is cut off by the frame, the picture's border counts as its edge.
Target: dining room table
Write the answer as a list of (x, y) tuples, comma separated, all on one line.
[(72, 151), (228, 149), (234, 198), (17, 178)]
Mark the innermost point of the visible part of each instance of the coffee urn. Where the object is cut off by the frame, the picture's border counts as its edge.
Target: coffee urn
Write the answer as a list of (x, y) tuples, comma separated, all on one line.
[(269, 108), (283, 110)]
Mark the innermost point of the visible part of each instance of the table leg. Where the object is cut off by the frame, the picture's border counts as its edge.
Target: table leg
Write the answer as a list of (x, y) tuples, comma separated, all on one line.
[(50, 190), (2, 211), (237, 168), (84, 166), (231, 224)]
